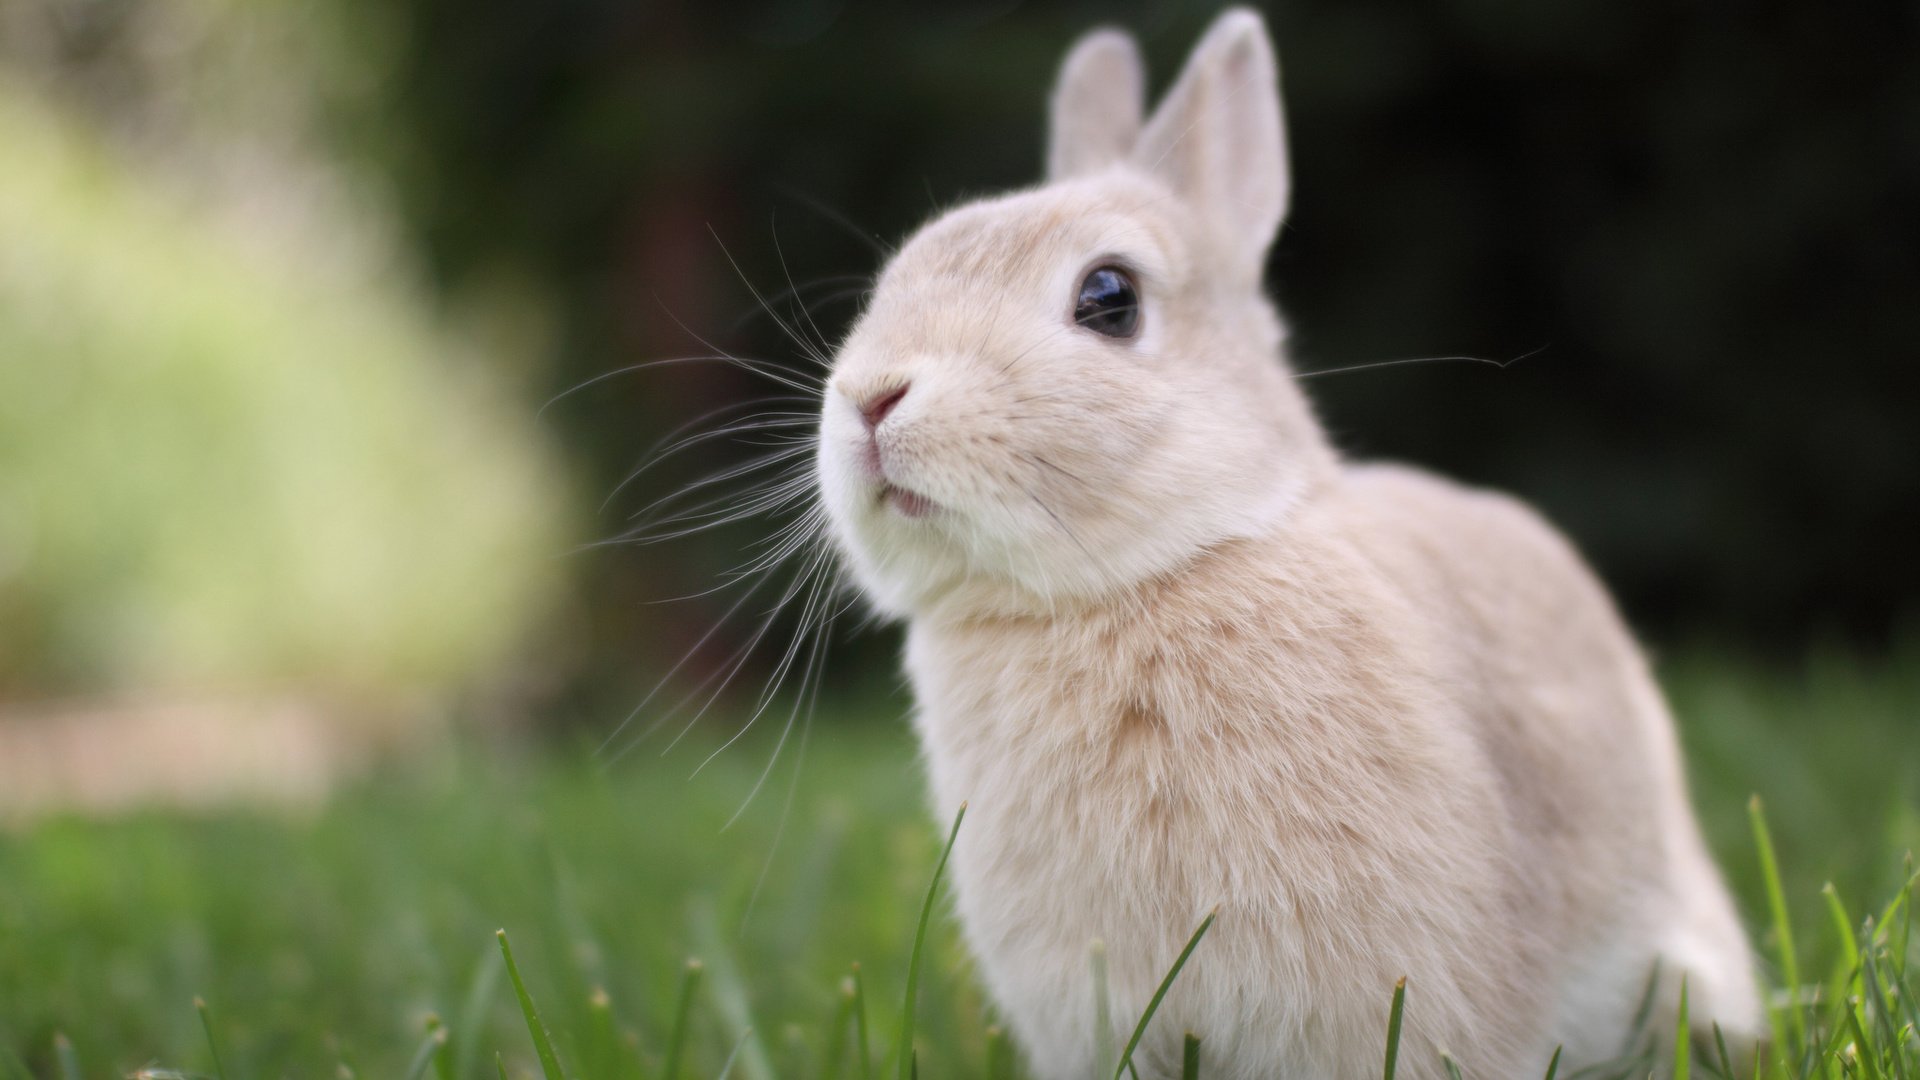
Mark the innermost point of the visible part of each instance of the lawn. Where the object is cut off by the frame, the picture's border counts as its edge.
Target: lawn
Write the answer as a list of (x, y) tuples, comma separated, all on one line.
[(330, 940)]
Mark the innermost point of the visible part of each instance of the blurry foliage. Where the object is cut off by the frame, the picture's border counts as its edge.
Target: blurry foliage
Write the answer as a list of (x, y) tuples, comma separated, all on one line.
[(236, 449)]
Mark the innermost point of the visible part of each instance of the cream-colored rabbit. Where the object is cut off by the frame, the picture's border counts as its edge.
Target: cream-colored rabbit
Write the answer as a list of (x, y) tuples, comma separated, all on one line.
[(1178, 655)]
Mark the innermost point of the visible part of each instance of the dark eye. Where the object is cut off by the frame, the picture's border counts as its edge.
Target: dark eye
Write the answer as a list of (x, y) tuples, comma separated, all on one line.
[(1109, 303)]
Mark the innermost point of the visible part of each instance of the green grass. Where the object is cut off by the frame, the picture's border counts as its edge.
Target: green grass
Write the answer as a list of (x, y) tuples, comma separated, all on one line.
[(360, 938)]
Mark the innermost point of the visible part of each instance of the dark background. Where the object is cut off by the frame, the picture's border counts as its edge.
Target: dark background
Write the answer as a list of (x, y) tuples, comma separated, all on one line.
[(1693, 229), (1698, 226)]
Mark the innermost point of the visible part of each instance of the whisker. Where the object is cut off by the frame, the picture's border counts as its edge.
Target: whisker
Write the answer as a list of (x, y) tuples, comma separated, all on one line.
[(805, 312), (808, 695), (811, 697), (725, 673), (1064, 527), (716, 357), (678, 664), (661, 452), (807, 613), (807, 348), (1041, 461), (716, 513), (786, 812), (797, 380), (797, 293), (778, 546), (781, 544), (880, 247), (745, 653), (1501, 364), (720, 476)]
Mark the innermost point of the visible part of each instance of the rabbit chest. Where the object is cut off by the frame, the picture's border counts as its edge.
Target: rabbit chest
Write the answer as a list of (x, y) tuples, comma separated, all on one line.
[(1273, 748)]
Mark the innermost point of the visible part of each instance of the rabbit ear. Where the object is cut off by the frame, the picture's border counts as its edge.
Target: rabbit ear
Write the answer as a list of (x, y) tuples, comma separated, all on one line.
[(1097, 104), (1219, 140)]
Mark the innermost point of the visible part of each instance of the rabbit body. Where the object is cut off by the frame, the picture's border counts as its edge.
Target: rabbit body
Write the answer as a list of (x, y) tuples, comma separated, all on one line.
[(1404, 735), (1178, 657)]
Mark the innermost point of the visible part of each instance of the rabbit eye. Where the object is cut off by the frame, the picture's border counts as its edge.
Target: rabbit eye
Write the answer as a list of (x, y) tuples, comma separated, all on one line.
[(1109, 303)]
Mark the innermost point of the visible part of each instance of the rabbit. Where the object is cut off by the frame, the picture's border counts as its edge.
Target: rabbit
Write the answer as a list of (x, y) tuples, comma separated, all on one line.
[(1177, 656)]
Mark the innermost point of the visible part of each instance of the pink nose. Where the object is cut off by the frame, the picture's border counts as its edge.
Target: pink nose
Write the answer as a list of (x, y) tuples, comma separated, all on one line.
[(876, 408)]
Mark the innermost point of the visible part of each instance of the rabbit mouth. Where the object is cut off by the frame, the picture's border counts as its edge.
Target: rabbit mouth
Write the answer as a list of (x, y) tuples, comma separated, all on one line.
[(909, 503)]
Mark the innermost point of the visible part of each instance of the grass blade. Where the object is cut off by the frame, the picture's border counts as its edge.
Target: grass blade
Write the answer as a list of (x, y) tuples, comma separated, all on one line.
[(726, 1067), (1886, 1020), (443, 1059), (63, 1053), (1553, 1064), (213, 1045), (602, 1055), (1394, 1017), (919, 944), (1153, 1003), (682, 1020), (472, 1021), (1452, 1067), (500, 1065), (1683, 1039), (1102, 1012), (1782, 928), (1862, 1048), (861, 1039), (1643, 1012), (1906, 919), (838, 1034), (727, 995), (423, 1057), (999, 1054), (542, 1042), (1851, 970), (1190, 1058)]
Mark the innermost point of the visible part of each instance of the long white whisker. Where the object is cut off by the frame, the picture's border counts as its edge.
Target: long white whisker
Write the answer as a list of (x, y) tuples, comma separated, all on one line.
[(805, 312), (807, 612), (717, 512), (786, 811), (806, 347), (781, 546), (739, 661), (728, 669), (805, 383), (716, 357), (797, 293), (880, 247), (770, 459), (680, 663), (806, 697), (760, 579), (767, 421), (1501, 364)]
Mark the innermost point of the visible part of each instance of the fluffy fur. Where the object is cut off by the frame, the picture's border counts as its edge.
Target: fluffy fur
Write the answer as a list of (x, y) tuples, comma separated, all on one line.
[(1178, 656)]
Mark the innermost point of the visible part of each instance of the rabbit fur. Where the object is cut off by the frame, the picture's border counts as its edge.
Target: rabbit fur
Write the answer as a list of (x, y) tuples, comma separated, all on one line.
[(1179, 657)]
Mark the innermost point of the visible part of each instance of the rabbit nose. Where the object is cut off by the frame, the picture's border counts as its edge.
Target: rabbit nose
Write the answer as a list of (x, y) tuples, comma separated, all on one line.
[(876, 408)]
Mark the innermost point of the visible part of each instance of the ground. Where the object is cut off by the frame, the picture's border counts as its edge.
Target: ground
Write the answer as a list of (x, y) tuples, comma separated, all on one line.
[(324, 938)]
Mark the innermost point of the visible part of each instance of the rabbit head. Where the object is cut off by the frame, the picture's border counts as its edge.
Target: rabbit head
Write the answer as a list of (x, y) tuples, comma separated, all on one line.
[(1060, 392)]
